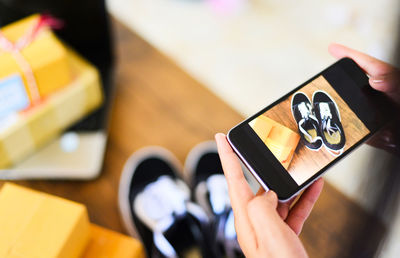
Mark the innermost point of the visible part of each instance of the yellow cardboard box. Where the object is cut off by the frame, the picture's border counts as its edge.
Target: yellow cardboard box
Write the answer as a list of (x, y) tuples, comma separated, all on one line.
[(280, 140), (46, 56), (105, 243), (43, 122), (35, 224)]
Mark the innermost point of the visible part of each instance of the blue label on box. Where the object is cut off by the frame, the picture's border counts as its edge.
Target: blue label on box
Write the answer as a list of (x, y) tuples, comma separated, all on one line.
[(13, 97)]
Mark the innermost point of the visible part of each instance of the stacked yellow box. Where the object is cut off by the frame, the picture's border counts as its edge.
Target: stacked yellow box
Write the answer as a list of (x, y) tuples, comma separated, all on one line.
[(280, 140), (35, 224), (43, 55), (105, 243), (69, 88), (43, 122)]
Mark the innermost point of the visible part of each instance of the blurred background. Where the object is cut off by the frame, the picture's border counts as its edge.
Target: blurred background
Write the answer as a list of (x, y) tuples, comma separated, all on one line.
[(246, 52), (250, 52)]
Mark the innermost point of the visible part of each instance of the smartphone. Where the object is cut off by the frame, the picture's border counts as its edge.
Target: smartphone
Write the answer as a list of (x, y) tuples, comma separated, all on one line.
[(292, 142)]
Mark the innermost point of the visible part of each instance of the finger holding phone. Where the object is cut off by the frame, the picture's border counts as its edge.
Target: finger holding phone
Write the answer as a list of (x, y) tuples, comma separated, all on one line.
[(265, 228), (268, 228), (382, 77)]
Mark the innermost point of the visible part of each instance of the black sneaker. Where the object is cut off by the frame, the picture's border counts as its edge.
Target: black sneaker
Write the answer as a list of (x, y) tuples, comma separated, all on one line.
[(330, 126), (307, 123), (209, 188), (155, 204)]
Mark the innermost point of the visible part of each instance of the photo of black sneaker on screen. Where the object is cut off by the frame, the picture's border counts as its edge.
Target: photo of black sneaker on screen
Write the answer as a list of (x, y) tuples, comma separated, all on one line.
[(296, 129), (330, 126), (307, 123)]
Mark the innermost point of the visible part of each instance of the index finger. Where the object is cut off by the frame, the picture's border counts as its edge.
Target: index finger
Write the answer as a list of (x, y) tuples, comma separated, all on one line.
[(239, 189), (369, 64), (239, 192)]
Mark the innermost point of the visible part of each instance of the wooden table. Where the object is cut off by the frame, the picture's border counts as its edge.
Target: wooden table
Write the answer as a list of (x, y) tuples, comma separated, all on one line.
[(157, 103)]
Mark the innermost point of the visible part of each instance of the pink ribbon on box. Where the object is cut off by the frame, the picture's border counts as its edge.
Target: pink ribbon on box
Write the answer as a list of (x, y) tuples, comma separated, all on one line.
[(44, 21)]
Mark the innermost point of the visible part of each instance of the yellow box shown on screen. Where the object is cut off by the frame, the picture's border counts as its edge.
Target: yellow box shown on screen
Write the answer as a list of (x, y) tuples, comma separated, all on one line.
[(262, 126), (35, 224), (105, 243), (44, 122), (280, 140), (46, 56)]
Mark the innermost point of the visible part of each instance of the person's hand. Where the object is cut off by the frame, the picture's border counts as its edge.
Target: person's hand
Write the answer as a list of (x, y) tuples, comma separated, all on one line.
[(383, 77), (265, 228)]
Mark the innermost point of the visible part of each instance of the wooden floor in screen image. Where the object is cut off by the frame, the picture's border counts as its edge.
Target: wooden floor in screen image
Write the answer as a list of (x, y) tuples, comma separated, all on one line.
[(306, 162)]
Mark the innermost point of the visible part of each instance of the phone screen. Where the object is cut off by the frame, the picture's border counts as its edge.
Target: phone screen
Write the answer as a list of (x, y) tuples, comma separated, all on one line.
[(294, 140), (309, 129)]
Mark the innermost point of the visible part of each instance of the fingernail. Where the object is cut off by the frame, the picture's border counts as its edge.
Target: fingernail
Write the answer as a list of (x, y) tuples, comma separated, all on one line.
[(377, 81), (219, 135), (272, 195)]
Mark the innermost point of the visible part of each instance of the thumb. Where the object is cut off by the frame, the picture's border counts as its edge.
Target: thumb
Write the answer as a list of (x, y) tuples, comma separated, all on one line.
[(264, 218), (265, 202), (272, 199)]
